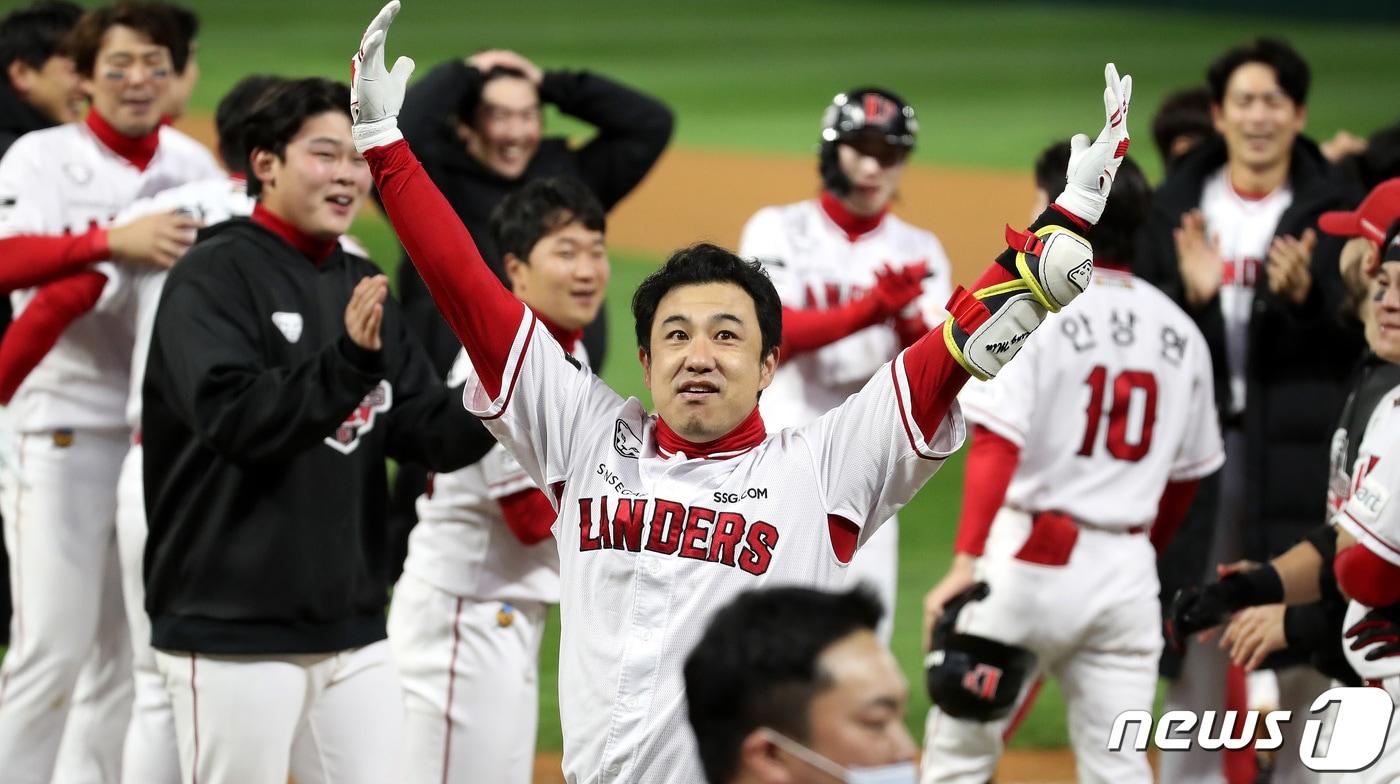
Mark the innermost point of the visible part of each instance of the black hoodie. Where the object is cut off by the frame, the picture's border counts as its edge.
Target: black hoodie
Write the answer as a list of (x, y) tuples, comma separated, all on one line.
[(1300, 357), (266, 431)]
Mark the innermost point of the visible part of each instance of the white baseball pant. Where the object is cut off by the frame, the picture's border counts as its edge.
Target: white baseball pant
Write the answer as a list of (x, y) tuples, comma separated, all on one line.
[(329, 718), (1094, 625), (59, 500), (470, 676)]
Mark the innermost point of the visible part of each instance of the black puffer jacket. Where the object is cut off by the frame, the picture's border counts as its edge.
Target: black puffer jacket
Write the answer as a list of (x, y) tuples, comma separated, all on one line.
[(1300, 357)]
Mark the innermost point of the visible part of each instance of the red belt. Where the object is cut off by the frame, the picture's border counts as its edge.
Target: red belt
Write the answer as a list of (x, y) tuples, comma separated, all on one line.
[(1053, 536)]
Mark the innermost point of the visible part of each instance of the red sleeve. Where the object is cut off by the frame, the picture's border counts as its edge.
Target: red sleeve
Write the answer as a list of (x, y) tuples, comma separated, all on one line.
[(935, 378), (991, 461), (910, 329), (32, 259), (811, 328), (528, 515), (482, 314), (1367, 577), (1171, 511), (42, 322)]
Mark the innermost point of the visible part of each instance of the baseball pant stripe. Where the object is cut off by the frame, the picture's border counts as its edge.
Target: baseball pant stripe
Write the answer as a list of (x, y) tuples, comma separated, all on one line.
[(451, 682), (194, 722)]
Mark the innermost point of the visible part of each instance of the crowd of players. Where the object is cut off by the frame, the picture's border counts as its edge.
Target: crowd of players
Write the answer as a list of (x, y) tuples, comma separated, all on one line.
[(202, 537)]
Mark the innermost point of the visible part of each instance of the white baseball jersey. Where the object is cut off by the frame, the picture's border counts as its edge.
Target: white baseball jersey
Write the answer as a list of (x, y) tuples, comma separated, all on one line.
[(461, 543), (1107, 404), (209, 201), (1371, 515), (63, 180), (1244, 227), (651, 544), (814, 264)]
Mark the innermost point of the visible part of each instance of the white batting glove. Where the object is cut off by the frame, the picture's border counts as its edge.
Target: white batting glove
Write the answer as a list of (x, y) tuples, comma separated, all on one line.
[(1092, 166), (376, 95)]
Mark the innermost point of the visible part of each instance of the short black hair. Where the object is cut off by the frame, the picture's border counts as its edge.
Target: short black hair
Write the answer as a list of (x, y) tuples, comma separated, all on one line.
[(231, 118), (187, 24), (153, 20), (1128, 203), (1183, 113), (278, 117), (707, 263), (530, 213), (756, 666), (471, 97), (32, 35), (1290, 69)]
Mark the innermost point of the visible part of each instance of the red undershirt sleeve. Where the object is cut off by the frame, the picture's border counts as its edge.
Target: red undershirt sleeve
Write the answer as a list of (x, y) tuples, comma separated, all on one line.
[(528, 515), (1367, 577), (41, 323), (991, 462), (32, 259), (809, 329), (1171, 511), (482, 313)]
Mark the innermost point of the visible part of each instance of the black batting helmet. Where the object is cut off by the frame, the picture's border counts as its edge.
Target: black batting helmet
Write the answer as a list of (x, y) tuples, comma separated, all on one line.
[(971, 677), (861, 113)]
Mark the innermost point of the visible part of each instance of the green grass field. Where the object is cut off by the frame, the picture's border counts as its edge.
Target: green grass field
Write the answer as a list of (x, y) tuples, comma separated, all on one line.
[(992, 84)]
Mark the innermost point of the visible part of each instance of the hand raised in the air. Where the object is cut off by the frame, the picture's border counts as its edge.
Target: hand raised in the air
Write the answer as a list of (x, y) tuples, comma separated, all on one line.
[(365, 312), (376, 94), (156, 240), (1093, 165), (1289, 266), (487, 59), (1198, 257)]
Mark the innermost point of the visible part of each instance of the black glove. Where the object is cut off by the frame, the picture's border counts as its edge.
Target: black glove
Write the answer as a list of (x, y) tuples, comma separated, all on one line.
[(1380, 628), (1202, 607)]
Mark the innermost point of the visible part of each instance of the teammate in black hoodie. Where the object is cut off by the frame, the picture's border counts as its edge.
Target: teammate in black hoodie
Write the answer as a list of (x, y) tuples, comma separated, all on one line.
[(280, 378)]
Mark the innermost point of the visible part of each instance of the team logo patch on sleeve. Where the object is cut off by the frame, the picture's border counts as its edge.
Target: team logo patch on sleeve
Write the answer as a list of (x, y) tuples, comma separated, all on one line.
[(625, 441), (347, 437)]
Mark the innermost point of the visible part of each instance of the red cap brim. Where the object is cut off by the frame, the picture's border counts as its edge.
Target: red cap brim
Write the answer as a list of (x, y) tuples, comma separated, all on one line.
[(1341, 223)]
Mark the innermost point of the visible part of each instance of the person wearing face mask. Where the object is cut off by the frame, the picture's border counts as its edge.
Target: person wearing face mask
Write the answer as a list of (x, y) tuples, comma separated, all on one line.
[(792, 686), (662, 518), (1231, 238), (279, 378), (857, 283), (60, 189)]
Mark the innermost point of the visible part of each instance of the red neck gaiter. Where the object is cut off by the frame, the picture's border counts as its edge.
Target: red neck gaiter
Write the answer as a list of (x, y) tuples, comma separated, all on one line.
[(310, 247), (852, 224), (138, 152), (749, 434)]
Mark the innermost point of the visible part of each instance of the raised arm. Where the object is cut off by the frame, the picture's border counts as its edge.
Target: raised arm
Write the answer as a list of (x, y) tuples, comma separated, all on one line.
[(42, 323), (484, 316)]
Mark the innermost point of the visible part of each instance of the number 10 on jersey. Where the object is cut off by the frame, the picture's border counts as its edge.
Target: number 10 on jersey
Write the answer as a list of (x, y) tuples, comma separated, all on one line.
[(1134, 402)]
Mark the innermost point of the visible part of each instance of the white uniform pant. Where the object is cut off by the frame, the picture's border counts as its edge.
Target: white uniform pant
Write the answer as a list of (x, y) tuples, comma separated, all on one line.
[(150, 756), (59, 500), (876, 564), (327, 718), (470, 676), (1094, 625)]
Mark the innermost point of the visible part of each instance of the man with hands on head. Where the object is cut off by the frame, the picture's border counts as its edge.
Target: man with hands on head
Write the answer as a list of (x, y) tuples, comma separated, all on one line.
[(660, 516), (280, 376)]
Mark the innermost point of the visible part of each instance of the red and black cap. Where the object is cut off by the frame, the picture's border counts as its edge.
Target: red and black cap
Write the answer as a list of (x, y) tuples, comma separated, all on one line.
[(1371, 218)]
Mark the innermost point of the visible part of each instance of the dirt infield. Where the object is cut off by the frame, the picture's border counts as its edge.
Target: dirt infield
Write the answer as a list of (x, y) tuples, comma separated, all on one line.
[(695, 195)]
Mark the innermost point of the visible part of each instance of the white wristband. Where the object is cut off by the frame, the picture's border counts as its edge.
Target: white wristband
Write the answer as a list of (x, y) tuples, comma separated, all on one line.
[(368, 135)]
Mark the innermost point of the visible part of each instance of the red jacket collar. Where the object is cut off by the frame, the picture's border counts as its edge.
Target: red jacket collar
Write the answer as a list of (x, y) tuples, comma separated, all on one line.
[(310, 247), (749, 434), (138, 152), (853, 225), (568, 338)]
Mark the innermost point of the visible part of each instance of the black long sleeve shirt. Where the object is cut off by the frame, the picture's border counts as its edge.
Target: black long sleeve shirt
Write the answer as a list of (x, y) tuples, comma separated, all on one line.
[(265, 431)]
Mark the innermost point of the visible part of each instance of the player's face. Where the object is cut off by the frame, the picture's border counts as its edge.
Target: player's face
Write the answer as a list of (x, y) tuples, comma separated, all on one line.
[(53, 88), (874, 168), (859, 721), (320, 182), (181, 87), (1386, 299), (706, 365), (508, 126), (565, 277), (130, 81), (1257, 118)]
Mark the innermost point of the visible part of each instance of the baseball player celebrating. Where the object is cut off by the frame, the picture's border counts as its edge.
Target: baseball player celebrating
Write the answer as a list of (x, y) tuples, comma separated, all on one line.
[(857, 283), (482, 566), (664, 517), (60, 189), (1057, 505)]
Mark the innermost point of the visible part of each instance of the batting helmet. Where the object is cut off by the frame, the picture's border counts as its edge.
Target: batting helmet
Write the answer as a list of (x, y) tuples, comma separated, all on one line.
[(971, 677), (862, 113)]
